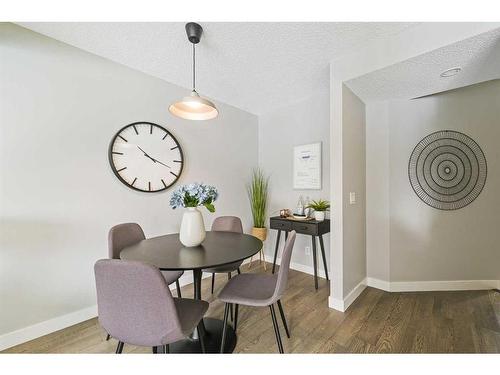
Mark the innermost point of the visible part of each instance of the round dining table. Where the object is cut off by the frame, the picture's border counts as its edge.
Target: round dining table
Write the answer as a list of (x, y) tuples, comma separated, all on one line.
[(218, 249)]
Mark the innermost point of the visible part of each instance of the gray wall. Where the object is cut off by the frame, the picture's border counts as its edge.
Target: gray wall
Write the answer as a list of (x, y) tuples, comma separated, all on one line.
[(353, 180), (428, 244), (60, 107), (306, 121)]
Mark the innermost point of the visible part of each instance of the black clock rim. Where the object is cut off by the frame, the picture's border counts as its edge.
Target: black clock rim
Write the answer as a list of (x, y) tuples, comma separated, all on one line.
[(115, 172)]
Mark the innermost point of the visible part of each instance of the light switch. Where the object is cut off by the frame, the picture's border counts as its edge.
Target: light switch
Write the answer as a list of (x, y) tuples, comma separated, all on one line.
[(352, 197)]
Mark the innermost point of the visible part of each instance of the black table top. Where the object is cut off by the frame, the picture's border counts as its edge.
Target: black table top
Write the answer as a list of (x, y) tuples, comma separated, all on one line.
[(310, 221), (218, 248)]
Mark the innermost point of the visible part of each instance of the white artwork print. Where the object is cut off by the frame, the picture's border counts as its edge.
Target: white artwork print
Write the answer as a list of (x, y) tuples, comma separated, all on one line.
[(307, 166)]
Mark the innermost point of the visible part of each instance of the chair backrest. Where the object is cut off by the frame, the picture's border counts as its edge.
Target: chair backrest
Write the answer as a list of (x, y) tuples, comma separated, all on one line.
[(282, 278), (123, 235), (227, 224), (134, 303)]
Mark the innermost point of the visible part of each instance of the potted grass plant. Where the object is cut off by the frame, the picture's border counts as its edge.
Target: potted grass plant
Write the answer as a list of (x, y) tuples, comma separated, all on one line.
[(320, 207), (257, 194)]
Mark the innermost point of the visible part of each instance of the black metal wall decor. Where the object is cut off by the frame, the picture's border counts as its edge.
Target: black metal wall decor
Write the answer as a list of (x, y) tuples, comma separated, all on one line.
[(447, 170)]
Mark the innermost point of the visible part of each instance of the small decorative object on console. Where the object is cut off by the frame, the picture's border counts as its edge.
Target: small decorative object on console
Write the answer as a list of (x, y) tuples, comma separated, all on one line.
[(320, 207), (285, 212), (299, 210)]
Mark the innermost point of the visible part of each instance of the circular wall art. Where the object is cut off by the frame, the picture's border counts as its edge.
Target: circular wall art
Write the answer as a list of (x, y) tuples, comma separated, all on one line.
[(447, 170)]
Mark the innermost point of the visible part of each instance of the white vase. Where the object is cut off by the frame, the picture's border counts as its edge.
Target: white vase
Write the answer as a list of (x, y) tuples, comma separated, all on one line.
[(319, 215), (192, 228)]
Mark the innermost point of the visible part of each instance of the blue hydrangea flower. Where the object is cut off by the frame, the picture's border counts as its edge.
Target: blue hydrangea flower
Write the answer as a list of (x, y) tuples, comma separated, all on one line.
[(194, 195)]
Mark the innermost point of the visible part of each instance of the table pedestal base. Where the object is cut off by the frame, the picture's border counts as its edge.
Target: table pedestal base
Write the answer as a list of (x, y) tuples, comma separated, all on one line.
[(212, 339)]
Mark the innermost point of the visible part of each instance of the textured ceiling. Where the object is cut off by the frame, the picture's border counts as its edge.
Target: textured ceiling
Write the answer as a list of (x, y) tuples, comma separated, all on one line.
[(479, 58), (253, 66)]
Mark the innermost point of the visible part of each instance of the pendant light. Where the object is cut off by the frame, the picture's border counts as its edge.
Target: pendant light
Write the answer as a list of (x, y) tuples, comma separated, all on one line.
[(194, 107)]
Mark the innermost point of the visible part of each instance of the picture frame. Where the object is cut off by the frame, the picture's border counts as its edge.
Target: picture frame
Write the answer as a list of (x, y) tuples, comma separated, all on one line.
[(307, 166)]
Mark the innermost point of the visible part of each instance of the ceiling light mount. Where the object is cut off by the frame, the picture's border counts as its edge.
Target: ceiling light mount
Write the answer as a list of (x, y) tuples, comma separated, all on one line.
[(451, 72), (194, 31)]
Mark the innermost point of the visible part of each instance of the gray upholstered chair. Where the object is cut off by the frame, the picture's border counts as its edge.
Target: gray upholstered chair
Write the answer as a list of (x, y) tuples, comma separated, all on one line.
[(122, 235), (258, 289), (136, 307), (226, 224), (127, 234)]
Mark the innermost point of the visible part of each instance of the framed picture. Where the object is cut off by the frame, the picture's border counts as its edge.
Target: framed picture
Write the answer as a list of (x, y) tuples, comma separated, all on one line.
[(307, 166)]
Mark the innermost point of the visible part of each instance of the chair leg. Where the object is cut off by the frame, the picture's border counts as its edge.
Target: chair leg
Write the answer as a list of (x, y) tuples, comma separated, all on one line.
[(213, 282), (108, 337), (200, 337), (229, 275), (264, 258), (224, 328), (119, 348), (276, 329), (235, 316), (178, 287), (282, 313), (239, 272)]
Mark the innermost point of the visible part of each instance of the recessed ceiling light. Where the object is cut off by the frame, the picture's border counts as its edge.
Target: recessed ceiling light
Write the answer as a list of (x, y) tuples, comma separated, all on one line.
[(451, 72)]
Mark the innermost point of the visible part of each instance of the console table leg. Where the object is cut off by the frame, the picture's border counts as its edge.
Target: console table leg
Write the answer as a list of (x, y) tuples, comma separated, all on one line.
[(276, 248), (315, 262), (322, 246)]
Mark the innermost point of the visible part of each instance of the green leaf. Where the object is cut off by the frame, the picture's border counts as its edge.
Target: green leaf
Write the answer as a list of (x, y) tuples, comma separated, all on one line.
[(320, 205), (210, 207)]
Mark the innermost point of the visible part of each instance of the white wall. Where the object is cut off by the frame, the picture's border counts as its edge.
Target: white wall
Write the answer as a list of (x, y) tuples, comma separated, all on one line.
[(384, 52), (60, 107), (377, 191), (353, 180), (348, 250), (427, 244), (306, 121)]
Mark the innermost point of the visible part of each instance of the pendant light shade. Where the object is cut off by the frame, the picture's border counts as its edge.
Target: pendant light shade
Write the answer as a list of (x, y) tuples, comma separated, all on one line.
[(194, 107)]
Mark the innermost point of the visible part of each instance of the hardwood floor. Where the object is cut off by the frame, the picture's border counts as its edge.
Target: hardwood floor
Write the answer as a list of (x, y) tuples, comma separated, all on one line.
[(378, 322)]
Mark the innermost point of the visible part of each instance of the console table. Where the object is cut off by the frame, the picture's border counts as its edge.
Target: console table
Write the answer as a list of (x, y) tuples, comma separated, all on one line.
[(312, 228)]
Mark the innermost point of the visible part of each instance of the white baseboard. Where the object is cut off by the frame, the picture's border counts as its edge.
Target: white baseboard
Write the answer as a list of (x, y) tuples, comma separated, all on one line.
[(378, 284), (299, 267), (343, 305), (336, 304), (44, 328), (410, 286), (428, 286)]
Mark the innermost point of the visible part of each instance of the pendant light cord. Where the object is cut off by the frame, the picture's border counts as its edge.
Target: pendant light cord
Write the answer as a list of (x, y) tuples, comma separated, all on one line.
[(194, 67)]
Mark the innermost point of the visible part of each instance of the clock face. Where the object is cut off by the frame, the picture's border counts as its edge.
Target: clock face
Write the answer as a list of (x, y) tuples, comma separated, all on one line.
[(146, 157)]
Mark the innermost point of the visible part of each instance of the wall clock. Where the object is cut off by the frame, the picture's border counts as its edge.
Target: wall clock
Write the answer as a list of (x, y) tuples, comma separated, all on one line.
[(146, 157)]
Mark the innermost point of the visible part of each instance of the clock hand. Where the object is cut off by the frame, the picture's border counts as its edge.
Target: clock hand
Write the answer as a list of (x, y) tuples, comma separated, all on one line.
[(146, 155), (153, 159), (157, 161)]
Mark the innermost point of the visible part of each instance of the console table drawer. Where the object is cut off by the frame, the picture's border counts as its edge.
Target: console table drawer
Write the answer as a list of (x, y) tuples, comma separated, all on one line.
[(281, 225), (305, 228)]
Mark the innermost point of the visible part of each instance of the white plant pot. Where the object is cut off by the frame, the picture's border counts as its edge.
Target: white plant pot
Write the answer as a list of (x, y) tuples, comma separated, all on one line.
[(192, 231), (319, 215)]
